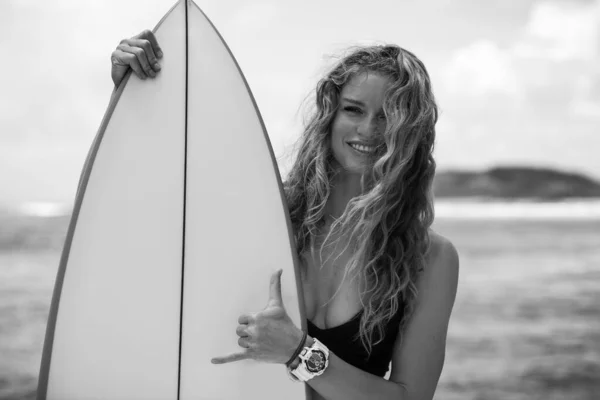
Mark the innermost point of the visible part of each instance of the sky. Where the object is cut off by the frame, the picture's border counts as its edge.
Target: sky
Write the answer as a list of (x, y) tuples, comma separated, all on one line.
[(516, 81)]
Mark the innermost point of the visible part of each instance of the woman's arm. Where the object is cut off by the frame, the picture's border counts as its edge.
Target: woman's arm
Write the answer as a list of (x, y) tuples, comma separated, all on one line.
[(418, 360)]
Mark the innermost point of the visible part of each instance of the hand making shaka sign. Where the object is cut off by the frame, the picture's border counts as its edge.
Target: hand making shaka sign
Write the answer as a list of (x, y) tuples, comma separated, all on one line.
[(268, 335)]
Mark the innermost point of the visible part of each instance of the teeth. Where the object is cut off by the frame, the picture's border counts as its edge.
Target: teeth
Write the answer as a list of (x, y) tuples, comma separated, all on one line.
[(361, 148)]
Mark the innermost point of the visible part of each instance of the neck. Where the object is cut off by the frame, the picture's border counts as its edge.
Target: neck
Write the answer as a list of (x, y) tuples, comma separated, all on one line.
[(345, 186)]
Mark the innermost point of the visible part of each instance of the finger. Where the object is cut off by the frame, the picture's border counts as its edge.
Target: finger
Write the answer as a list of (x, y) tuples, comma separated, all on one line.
[(149, 36), (244, 342), (230, 358), (148, 50), (141, 57), (275, 288), (246, 319), (241, 331), (128, 59)]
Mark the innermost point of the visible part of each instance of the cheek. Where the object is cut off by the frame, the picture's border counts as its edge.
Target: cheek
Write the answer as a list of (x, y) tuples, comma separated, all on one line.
[(340, 127)]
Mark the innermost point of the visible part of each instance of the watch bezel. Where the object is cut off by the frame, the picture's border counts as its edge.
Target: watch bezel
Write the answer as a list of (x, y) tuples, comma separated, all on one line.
[(321, 362)]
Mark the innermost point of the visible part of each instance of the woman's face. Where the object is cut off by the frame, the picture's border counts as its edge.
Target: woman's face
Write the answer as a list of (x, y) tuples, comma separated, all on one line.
[(359, 120)]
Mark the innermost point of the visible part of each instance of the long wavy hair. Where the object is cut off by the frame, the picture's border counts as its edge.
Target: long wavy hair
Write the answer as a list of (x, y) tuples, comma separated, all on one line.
[(388, 222)]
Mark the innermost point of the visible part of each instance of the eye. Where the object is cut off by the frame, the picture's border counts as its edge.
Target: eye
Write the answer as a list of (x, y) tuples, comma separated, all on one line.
[(352, 109)]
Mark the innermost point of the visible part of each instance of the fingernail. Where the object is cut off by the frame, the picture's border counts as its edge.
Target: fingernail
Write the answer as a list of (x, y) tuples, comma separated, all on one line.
[(157, 66), (159, 53)]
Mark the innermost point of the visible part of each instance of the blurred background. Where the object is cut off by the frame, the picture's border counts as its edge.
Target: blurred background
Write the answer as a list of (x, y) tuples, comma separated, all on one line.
[(517, 188)]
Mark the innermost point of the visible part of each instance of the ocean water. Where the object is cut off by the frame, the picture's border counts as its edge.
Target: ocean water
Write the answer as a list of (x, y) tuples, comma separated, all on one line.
[(526, 322), (525, 325)]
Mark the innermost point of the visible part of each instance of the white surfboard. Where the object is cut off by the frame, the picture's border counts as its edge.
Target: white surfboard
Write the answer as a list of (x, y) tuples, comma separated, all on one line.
[(178, 223)]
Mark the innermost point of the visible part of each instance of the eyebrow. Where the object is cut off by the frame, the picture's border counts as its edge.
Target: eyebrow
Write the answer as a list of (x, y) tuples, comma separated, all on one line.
[(349, 100)]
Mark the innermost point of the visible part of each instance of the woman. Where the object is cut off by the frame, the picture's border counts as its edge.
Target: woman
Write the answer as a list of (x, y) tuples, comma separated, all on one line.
[(379, 284)]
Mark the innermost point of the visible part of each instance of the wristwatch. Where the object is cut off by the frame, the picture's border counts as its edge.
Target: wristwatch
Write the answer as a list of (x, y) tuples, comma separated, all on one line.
[(313, 362)]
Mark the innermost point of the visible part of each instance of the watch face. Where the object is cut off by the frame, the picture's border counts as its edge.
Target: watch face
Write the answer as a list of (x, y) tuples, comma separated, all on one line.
[(316, 361)]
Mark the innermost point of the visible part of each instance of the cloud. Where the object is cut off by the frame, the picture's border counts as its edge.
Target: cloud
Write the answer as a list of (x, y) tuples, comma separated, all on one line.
[(557, 35), (560, 49), (561, 31), (479, 69)]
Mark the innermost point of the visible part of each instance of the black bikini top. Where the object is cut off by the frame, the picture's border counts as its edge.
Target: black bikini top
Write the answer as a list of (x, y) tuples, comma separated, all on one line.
[(342, 342)]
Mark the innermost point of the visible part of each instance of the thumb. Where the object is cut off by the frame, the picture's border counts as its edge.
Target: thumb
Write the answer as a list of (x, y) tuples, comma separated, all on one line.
[(275, 288), (117, 73)]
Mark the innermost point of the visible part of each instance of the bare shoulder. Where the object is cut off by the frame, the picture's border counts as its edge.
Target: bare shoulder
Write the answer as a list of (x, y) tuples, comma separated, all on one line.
[(441, 249), (442, 263)]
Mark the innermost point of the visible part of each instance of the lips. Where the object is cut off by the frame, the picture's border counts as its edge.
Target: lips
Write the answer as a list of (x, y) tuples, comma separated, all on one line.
[(363, 143), (362, 153)]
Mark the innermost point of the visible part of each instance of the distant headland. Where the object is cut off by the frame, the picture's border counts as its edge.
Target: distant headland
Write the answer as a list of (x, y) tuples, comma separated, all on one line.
[(514, 183)]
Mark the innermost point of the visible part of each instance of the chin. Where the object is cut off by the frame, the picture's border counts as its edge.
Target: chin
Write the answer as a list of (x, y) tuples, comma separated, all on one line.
[(351, 167)]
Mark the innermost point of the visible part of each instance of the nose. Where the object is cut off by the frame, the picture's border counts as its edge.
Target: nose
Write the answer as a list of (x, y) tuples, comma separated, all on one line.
[(367, 128)]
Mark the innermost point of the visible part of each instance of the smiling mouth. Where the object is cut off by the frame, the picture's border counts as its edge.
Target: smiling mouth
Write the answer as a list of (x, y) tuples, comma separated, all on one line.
[(363, 150)]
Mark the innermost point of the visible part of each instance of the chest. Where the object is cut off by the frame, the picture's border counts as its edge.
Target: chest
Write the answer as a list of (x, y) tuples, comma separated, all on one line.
[(331, 299)]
